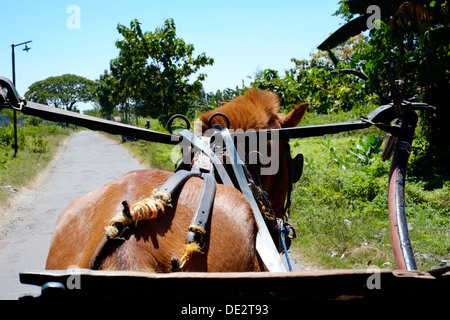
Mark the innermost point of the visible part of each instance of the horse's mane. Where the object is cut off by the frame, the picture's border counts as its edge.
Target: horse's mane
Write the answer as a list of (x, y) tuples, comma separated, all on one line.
[(255, 109)]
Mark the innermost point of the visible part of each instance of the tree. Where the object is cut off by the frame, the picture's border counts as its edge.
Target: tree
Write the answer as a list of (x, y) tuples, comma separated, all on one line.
[(104, 94), (414, 39), (153, 71), (62, 91), (326, 85)]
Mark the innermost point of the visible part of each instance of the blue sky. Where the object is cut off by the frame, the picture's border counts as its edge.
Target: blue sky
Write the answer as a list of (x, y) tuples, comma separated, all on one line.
[(242, 36)]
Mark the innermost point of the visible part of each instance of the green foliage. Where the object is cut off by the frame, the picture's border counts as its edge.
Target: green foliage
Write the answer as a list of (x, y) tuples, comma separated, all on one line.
[(414, 39), (62, 91), (361, 153), (321, 85), (340, 203), (38, 141), (156, 155), (31, 136), (152, 75), (7, 136), (341, 216), (365, 151), (327, 87), (3, 157), (104, 94)]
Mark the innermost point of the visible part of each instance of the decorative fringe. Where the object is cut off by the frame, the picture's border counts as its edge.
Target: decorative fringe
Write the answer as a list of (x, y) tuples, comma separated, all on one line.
[(266, 213), (189, 250), (146, 209)]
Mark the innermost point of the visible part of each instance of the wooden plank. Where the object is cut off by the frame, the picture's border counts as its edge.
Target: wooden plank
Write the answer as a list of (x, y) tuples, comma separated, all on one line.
[(265, 286), (94, 123)]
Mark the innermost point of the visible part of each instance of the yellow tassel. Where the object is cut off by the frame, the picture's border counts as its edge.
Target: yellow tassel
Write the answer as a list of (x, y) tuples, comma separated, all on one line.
[(267, 214), (112, 229), (189, 250), (146, 209)]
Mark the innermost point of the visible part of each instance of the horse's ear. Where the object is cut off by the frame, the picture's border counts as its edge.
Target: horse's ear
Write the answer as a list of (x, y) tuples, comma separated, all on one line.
[(293, 118)]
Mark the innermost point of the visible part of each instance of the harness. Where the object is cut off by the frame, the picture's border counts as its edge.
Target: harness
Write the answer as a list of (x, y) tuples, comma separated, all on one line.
[(273, 235)]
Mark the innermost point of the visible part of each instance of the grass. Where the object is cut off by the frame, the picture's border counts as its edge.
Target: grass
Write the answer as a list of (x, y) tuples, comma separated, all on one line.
[(339, 206), (37, 148), (341, 212)]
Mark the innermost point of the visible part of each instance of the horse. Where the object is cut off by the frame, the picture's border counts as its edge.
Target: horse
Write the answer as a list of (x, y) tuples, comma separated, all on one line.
[(152, 245)]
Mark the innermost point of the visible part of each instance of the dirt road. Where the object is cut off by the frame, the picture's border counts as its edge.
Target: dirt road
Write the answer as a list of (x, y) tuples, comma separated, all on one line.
[(87, 161)]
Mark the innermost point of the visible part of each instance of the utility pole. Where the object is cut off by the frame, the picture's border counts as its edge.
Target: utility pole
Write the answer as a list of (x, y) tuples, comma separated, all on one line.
[(14, 82)]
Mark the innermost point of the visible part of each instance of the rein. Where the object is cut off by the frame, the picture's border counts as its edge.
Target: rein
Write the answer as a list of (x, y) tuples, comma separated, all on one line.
[(264, 243), (380, 117)]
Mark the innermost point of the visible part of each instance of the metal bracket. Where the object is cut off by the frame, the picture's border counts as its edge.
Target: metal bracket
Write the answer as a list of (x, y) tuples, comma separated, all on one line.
[(9, 97)]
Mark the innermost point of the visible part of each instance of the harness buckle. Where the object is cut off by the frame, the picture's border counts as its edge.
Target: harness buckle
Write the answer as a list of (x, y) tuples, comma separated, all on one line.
[(196, 234)]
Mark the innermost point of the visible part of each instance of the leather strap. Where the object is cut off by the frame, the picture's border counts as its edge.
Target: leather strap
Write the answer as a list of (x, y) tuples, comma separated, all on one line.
[(178, 179), (170, 186), (197, 229), (264, 243)]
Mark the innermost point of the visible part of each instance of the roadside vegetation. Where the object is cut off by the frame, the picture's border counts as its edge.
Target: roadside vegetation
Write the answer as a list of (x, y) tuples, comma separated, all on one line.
[(339, 206), (38, 142)]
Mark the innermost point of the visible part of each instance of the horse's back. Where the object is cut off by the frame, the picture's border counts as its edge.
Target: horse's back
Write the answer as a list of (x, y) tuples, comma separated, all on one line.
[(150, 245)]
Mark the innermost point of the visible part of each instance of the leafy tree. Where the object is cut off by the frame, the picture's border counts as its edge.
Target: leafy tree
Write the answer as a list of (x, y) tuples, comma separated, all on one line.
[(210, 100), (414, 39), (325, 85), (62, 91), (104, 94), (153, 71)]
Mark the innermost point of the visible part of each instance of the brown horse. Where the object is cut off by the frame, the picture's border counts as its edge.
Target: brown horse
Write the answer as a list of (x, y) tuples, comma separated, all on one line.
[(151, 244)]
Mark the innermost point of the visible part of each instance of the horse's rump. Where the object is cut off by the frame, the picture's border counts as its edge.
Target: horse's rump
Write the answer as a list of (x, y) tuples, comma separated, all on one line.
[(150, 245)]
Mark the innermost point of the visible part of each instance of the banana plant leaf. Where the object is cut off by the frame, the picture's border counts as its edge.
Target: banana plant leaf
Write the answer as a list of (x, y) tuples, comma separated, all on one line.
[(348, 30), (387, 7)]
